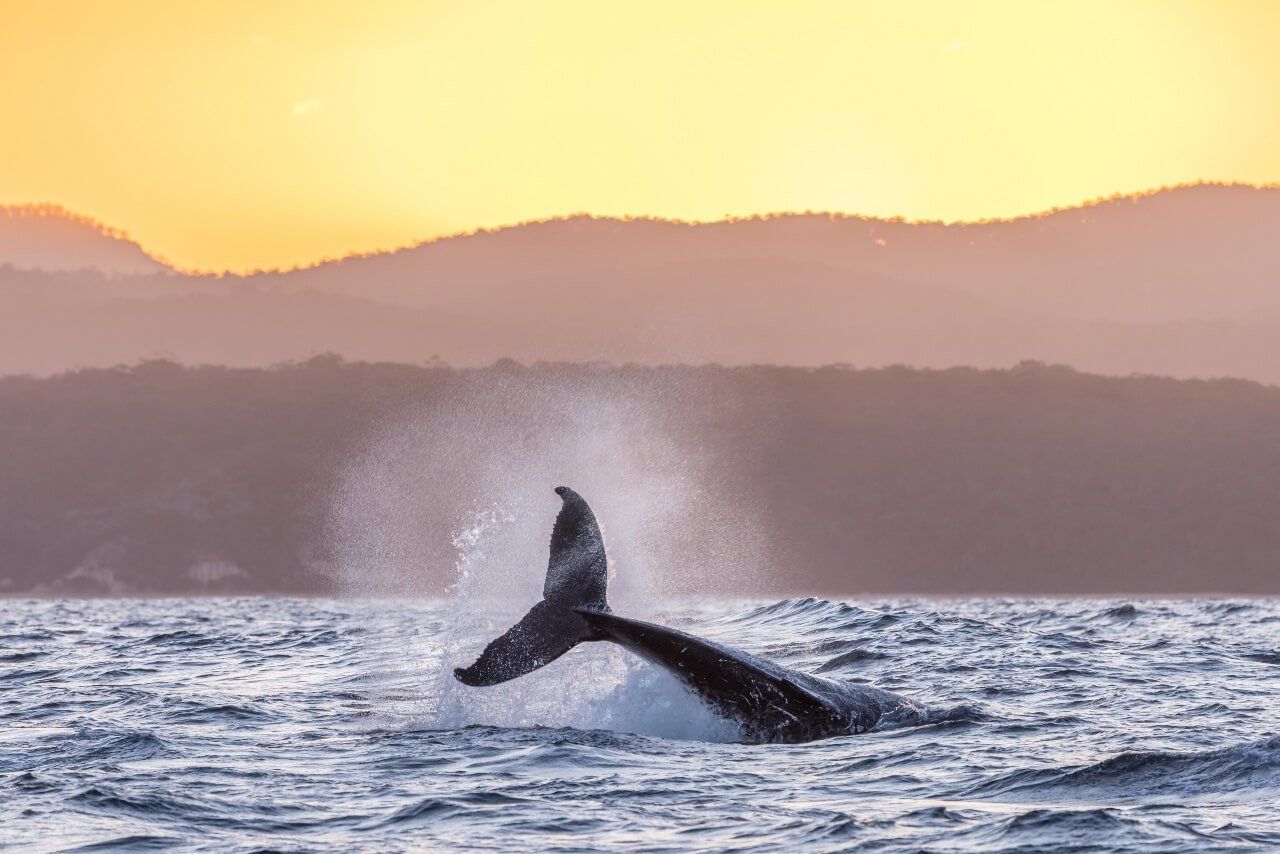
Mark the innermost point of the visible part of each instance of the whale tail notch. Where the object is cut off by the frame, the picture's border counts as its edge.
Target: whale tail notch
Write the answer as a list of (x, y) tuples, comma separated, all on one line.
[(577, 578)]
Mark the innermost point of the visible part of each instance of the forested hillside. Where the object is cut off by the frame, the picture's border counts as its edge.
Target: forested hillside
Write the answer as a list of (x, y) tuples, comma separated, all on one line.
[(330, 477)]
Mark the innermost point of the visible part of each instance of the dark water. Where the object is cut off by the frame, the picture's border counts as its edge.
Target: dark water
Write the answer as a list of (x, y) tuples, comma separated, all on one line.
[(302, 725)]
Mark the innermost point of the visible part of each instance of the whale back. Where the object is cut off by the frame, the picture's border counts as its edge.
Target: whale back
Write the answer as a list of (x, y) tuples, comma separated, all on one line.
[(768, 702)]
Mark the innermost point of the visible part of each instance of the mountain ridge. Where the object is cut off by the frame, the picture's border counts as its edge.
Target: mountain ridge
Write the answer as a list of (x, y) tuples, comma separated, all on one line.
[(50, 237), (1183, 282), (1087, 205)]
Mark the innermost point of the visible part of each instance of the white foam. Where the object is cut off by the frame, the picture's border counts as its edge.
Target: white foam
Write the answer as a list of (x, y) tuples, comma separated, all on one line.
[(593, 686), (502, 447), (670, 520)]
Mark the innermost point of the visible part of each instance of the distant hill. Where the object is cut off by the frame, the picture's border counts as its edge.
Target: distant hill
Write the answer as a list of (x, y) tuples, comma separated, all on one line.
[(328, 477), (1183, 282), (47, 237), (1194, 253)]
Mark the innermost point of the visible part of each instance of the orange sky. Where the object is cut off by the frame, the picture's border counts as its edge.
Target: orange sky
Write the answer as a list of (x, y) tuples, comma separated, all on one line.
[(250, 133)]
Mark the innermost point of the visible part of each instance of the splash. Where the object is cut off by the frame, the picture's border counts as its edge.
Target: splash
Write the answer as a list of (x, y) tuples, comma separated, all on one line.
[(489, 455), (673, 519), (594, 686), (672, 516)]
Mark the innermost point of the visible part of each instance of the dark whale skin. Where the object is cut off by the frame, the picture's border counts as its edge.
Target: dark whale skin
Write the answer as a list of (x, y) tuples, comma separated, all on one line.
[(768, 703)]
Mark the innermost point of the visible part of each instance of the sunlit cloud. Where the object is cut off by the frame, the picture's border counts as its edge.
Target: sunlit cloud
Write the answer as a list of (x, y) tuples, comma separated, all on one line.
[(311, 105)]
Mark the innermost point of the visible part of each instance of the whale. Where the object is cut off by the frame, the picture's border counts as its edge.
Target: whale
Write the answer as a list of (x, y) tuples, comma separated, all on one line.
[(769, 703)]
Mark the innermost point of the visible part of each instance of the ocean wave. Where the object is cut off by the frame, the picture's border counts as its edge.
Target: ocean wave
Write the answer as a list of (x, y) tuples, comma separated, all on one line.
[(30, 674), (1096, 829), (853, 656), (1253, 765), (299, 724), (435, 809), (807, 609), (1126, 611), (132, 746), (194, 712), (129, 842), (183, 639), (912, 719)]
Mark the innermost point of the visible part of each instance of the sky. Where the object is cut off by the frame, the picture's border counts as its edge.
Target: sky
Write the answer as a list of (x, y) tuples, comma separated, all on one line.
[(253, 134)]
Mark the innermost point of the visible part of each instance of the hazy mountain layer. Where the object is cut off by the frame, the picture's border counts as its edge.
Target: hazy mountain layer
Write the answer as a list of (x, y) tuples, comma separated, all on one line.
[(1184, 282), (47, 237), (329, 477)]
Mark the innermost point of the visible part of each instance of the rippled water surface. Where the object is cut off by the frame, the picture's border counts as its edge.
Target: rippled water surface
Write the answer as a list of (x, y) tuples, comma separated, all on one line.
[(307, 724)]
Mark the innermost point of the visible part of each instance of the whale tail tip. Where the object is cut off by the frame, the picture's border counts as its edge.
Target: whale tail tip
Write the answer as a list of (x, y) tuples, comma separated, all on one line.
[(577, 577)]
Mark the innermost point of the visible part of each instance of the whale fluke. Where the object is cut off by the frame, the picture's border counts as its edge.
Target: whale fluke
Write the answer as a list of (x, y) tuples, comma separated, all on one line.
[(577, 577), (577, 571), (768, 702), (544, 634)]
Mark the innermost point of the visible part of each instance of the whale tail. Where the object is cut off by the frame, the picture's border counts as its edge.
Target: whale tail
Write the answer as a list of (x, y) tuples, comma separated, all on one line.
[(577, 578), (769, 703)]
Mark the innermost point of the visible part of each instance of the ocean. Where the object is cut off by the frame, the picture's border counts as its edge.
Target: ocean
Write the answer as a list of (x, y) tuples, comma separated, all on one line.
[(312, 724)]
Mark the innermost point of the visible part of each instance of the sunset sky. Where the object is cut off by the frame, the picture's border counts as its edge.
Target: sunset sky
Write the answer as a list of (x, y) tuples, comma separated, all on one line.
[(250, 133)]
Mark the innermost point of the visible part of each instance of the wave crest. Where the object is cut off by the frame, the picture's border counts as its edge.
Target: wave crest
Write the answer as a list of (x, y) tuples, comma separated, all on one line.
[(1255, 764)]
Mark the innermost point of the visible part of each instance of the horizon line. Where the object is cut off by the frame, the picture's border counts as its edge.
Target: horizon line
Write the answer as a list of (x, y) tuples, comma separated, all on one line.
[(54, 209)]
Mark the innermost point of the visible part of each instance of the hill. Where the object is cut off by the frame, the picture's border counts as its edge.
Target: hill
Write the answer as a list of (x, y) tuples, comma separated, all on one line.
[(330, 477), (47, 237), (1181, 282)]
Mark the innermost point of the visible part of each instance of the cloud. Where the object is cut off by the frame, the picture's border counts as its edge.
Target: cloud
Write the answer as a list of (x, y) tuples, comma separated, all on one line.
[(311, 105)]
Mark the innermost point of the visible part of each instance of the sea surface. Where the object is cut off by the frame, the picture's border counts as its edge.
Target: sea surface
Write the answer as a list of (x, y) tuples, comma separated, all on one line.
[(296, 725)]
